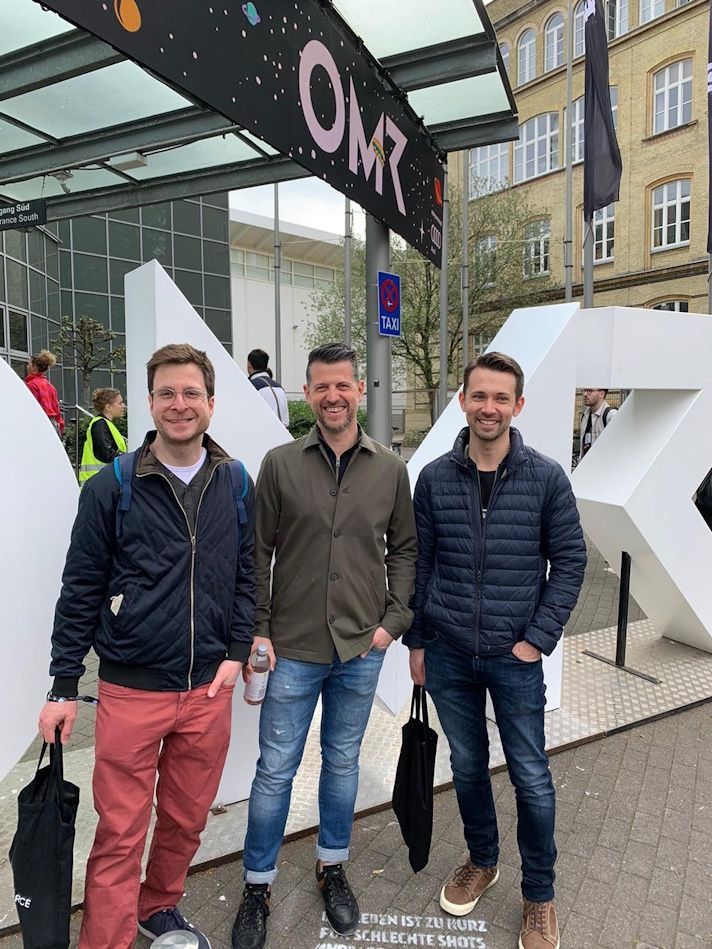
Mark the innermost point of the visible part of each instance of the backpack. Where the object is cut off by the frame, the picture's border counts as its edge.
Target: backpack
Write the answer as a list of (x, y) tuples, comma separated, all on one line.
[(125, 466)]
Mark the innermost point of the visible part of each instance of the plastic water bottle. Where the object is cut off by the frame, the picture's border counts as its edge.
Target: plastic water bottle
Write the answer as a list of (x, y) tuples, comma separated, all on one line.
[(257, 686)]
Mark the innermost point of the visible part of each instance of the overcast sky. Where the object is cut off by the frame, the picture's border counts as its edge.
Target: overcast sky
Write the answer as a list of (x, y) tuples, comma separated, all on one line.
[(307, 201)]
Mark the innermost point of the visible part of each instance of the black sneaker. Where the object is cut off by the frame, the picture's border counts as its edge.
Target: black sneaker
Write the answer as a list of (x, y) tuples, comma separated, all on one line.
[(170, 921), (250, 928), (341, 907)]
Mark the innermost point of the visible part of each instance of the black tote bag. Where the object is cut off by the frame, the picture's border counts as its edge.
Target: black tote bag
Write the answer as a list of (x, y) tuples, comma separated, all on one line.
[(413, 787), (42, 853)]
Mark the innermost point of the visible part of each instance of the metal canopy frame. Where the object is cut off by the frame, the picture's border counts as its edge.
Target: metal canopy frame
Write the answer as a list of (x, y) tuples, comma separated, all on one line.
[(75, 53)]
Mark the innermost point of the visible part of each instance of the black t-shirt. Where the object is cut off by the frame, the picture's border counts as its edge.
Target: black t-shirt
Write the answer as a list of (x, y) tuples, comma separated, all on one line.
[(486, 481)]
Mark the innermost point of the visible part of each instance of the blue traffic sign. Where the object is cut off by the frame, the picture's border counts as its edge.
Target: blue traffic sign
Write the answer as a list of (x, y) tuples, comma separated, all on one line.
[(389, 313)]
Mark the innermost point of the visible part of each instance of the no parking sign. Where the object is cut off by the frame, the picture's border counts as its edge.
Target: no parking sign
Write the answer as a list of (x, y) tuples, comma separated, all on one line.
[(389, 313)]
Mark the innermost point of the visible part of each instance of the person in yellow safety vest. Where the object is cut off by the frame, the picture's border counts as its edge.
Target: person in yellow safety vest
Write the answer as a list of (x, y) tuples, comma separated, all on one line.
[(104, 441)]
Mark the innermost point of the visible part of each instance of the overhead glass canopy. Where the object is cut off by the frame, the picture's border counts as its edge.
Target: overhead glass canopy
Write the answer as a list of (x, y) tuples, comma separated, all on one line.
[(90, 131)]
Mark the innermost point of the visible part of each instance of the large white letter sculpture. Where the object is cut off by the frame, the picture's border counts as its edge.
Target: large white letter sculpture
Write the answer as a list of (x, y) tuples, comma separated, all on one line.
[(635, 488), (39, 493)]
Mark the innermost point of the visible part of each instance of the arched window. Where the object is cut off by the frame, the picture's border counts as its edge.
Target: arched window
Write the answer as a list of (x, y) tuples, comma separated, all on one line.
[(672, 96), (504, 51), (526, 57), (553, 42), (489, 168), (674, 306), (579, 32), (671, 215)]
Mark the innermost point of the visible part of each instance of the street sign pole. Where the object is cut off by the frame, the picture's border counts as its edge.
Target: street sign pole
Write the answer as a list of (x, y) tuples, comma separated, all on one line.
[(378, 347)]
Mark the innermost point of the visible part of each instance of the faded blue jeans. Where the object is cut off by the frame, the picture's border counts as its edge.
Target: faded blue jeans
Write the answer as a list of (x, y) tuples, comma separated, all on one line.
[(346, 690), (458, 684)]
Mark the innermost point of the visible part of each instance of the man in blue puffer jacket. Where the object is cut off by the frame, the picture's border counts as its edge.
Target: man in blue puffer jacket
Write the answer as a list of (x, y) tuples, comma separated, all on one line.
[(492, 515)]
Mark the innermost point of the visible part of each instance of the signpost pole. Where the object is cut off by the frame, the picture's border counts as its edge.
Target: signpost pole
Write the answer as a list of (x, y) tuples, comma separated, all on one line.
[(347, 271), (277, 289), (378, 348), (442, 387)]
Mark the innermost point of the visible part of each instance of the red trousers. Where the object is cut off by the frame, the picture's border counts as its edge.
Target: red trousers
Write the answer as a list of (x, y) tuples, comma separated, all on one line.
[(181, 736)]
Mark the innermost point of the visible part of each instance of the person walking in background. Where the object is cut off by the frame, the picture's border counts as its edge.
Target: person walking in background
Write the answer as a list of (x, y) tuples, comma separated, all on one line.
[(260, 375), (159, 580), (596, 415), (501, 559), (42, 389), (335, 509), (103, 439)]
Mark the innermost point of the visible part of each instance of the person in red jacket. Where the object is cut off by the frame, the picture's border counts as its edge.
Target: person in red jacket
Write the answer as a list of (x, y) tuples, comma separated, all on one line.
[(42, 389)]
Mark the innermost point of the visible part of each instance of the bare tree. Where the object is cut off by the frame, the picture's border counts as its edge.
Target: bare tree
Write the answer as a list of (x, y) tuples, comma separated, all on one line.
[(86, 344), (499, 281)]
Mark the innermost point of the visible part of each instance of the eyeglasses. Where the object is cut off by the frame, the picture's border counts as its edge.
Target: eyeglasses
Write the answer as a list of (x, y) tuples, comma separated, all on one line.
[(167, 396)]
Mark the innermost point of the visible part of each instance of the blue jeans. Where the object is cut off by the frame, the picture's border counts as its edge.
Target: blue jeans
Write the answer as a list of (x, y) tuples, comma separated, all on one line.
[(458, 683), (347, 690)]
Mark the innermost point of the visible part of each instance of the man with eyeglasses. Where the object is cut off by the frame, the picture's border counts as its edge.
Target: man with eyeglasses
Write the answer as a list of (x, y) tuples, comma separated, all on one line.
[(159, 580)]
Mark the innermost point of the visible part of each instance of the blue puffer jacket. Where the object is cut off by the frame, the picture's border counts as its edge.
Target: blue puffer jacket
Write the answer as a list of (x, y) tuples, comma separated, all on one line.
[(484, 586), (161, 608)]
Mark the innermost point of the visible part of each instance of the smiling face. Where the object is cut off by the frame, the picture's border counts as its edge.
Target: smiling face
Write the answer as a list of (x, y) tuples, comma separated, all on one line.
[(178, 421), (490, 403), (334, 395)]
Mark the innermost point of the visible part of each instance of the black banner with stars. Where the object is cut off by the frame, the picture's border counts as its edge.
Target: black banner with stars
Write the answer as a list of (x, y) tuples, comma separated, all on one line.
[(292, 73)]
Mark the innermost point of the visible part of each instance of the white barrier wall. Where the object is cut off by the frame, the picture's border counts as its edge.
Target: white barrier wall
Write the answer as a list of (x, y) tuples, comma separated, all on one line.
[(39, 494)]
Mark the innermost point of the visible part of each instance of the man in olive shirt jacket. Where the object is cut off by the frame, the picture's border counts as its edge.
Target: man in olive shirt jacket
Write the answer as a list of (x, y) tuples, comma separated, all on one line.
[(335, 509)]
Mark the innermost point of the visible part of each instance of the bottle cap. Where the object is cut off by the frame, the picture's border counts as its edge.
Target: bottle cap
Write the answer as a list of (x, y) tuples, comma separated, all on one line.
[(262, 649)]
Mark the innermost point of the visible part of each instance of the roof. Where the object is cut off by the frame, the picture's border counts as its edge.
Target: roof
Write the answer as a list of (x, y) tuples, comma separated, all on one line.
[(91, 131), (256, 231)]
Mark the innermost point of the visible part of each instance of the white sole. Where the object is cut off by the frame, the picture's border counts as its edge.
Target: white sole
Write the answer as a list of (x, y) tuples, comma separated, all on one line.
[(149, 935), (558, 943), (462, 909)]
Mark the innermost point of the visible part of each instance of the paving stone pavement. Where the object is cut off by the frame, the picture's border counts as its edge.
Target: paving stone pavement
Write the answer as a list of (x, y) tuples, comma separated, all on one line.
[(634, 833)]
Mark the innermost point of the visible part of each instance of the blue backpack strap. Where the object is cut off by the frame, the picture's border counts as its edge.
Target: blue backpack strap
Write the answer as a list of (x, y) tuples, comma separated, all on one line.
[(240, 485), (123, 470)]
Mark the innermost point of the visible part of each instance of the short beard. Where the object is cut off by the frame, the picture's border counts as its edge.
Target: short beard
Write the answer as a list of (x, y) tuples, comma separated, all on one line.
[(338, 428)]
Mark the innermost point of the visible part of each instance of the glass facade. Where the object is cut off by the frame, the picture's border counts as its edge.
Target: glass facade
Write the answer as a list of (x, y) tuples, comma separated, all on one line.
[(76, 268)]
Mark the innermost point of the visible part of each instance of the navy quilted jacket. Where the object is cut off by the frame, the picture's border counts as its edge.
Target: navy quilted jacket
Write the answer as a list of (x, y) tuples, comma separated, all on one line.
[(187, 603), (483, 586)]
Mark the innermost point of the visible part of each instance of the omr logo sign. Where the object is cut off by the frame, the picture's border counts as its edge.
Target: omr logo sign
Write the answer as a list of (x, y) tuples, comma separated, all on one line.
[(371, 151)]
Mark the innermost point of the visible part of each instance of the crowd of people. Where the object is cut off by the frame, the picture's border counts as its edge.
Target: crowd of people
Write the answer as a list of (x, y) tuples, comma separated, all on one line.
[(179, 568)]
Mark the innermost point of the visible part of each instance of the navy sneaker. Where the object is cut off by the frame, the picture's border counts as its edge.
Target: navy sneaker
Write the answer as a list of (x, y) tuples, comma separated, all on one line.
[(170, 921), (339, 901), (250, 929)]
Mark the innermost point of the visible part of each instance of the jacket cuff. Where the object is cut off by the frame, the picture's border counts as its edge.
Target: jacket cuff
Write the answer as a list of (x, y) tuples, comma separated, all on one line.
[(412, 640), (239, 651), (66, 686), (546, 644)]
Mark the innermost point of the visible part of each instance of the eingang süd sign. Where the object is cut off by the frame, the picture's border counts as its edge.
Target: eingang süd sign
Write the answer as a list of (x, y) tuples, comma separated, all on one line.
[(290, 72)]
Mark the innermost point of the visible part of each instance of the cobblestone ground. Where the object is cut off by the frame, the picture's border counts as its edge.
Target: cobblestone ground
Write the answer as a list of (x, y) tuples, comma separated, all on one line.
[(634, 832)]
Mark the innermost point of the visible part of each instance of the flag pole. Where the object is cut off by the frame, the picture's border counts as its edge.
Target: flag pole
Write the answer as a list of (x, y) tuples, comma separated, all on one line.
[(568, 243), (347, 271), (465, 261), (588, 265)]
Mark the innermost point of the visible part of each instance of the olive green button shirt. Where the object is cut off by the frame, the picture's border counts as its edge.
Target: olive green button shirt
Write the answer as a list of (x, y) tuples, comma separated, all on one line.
[(344, 554)]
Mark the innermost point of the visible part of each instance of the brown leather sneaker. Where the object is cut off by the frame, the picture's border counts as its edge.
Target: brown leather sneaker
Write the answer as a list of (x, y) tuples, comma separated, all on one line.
[(540, 927), (459, 896)]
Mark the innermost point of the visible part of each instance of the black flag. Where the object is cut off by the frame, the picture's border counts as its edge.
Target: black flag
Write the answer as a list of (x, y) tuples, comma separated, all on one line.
[(709, 135), (602, 163)]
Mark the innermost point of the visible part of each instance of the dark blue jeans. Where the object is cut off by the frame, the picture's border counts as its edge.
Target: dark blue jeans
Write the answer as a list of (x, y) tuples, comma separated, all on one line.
[(458, 684)]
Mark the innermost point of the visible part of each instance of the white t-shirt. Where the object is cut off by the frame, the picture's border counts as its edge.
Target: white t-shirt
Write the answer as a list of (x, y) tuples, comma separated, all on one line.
[(186, 475)]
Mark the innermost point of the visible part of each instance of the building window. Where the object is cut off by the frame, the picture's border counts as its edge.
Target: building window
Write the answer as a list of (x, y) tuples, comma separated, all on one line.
[(536, 249), (504, 52), (603, 234), (526, 57), (675, 306), (613, 91), (671, 215), (537, 150), (577, 117), (553, 42), (489, 168), (672, 90), (485, 261), (617, 18), (579, 31), (651, 10)]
